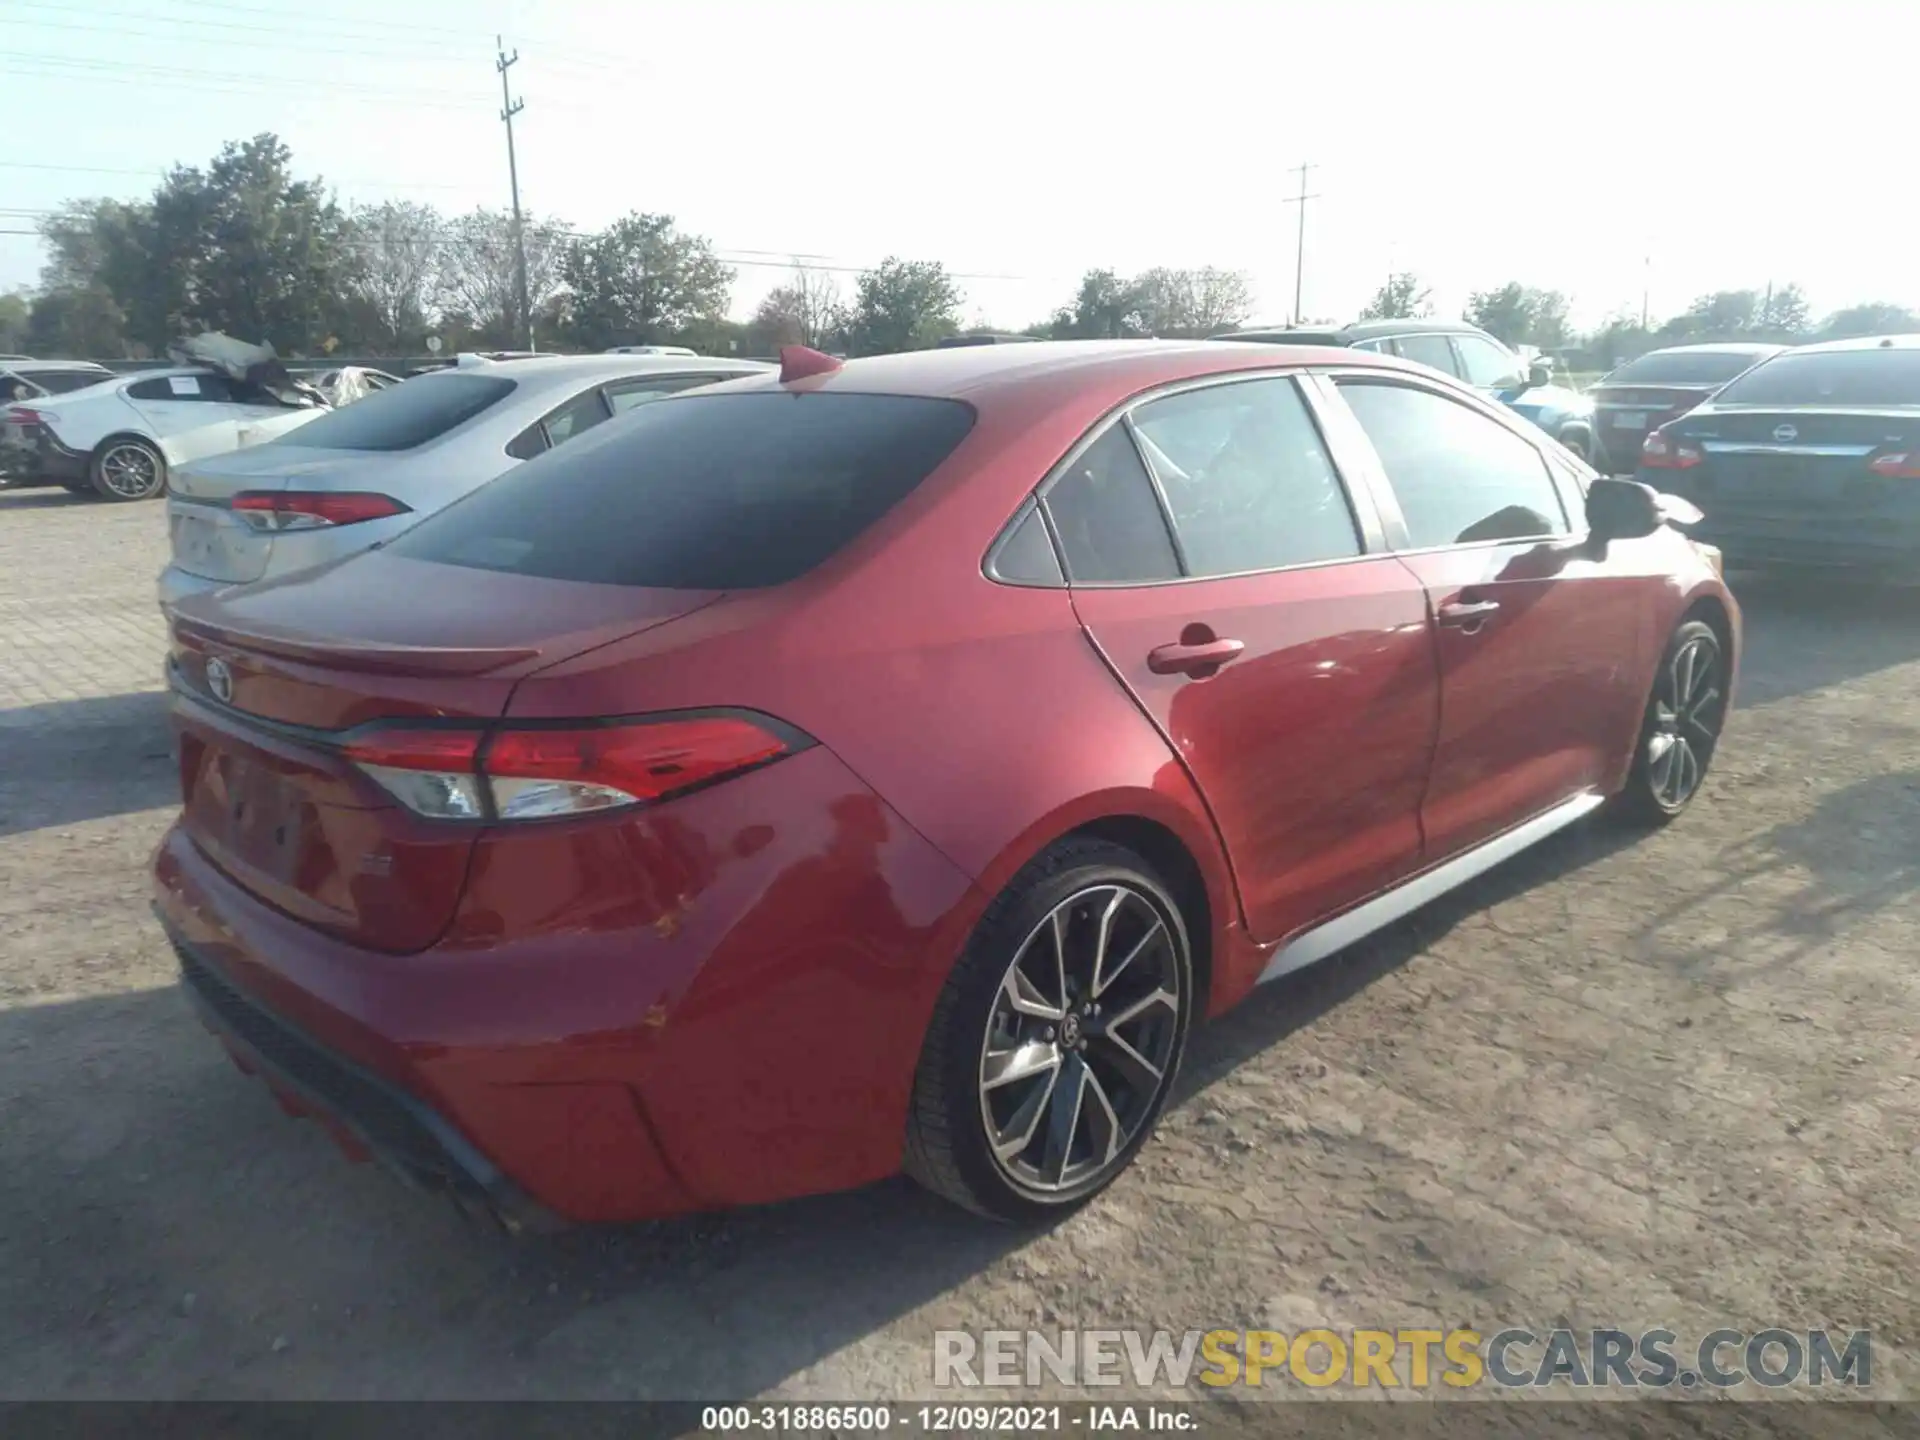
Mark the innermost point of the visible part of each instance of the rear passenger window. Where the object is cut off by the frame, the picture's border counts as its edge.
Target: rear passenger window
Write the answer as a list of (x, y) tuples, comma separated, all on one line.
[(1248, 482), (1431, 350), (1110, 525), (1459, 476), (623, 395), (182, 387), (581, 413)]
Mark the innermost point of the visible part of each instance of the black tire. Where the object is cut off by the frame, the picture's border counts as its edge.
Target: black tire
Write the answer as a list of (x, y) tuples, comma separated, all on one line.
[(1688, 704), (127, 468), (948, 1146)]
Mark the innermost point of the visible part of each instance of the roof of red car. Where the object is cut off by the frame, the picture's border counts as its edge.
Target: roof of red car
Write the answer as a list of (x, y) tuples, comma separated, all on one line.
[(977, 372)]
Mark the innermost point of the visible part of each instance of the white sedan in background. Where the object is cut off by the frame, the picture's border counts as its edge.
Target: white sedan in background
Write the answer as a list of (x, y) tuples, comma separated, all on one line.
[(363, 473), (124, 437)]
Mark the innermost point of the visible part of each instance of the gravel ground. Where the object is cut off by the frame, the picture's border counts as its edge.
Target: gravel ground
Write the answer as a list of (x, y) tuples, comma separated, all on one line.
[(1637, 1082)]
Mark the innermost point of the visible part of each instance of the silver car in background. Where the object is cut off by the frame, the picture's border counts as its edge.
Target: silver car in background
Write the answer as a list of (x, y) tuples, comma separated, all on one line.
[(361, 474)]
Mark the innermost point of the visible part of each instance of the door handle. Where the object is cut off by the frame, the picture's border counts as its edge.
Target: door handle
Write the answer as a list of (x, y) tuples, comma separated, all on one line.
[(1468, 615), (1199, 659)]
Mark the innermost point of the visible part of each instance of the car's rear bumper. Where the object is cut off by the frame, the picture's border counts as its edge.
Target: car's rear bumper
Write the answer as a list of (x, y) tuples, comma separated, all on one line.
[(33, 455), (720, 1003), (369, 1117)]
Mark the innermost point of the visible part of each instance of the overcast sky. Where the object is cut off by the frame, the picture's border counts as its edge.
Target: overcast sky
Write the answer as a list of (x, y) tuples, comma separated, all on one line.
[(1563, 143)]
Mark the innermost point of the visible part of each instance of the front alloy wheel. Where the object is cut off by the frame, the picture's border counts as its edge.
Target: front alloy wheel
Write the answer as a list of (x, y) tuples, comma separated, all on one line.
[(1056, 1040)]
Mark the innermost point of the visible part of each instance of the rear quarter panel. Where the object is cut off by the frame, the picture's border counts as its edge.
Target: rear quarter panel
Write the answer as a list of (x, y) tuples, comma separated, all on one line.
[(979, 711)]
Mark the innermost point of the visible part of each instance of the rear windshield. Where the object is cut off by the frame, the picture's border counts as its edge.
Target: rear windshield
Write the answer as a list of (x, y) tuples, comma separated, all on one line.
[(700, 492), (1836, 377), (64, 382), (404, 416), (1681, 368)]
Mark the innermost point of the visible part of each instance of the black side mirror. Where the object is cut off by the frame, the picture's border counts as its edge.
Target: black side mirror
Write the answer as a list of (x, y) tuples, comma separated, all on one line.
[(1621, 509), (1539, 373)]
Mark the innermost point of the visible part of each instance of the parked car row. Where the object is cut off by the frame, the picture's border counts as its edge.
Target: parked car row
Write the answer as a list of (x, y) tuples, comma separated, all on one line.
[(814, 773), (1466, 352), (360, 475), (1808, 459), (121, 437)]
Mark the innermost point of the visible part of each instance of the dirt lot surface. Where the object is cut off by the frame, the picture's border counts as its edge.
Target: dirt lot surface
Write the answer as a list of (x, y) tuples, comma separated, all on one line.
[(1663, 1081)]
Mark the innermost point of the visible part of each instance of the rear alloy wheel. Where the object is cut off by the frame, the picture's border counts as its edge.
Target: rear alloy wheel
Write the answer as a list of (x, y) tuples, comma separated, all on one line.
[(1682, 726), (1057, 1038), (128, 469)]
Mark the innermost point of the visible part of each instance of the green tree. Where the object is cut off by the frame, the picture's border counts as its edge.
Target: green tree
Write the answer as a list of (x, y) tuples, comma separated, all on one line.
[(1783, 314), (1403, 297), (397, 258), (902, 305), (15, 309), (642, 281), (1191, 304), (1874, 318), (1106, 307), (78, 323), (1723, 315), (1521, 315), (807, 310), (256, 253), (475, 286)]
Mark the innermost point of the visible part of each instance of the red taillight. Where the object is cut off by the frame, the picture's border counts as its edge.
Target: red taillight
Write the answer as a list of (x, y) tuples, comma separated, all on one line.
[(535, 773), (312, 509), (1663, 452), (27, 415), (1897, 465)]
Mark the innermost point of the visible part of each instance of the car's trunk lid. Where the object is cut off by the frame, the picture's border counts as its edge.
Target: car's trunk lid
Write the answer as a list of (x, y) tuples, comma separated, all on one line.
[(264, 696), (211, 541)]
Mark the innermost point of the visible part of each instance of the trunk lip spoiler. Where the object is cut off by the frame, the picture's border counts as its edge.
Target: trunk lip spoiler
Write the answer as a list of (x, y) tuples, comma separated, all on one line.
[(351, 655)]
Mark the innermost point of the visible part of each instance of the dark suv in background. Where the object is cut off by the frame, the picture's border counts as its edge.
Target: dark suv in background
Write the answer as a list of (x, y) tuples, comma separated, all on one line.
[(1465, 352)]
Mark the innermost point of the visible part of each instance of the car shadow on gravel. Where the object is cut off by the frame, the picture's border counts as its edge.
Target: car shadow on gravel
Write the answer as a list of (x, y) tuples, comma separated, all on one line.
[(39, 499), (1806, 633), (71, 761), (1802, 885), (1277, 1010), (171, 1234)]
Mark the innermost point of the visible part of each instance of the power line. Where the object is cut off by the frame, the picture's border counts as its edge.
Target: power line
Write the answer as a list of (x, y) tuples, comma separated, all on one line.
[(231, 80), (161, 171), (380, 44)]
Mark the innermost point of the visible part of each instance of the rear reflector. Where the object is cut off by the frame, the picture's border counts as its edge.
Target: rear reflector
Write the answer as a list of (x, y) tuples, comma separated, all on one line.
[(312, 509), (1897, 465), (544, 772)]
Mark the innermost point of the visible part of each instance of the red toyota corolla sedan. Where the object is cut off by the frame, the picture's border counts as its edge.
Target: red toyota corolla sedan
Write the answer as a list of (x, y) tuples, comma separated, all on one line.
[(885, 765)]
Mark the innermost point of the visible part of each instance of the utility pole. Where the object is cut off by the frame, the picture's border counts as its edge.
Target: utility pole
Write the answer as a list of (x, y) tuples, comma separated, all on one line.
[(1300, 252), (1646, 289), (509, 107)]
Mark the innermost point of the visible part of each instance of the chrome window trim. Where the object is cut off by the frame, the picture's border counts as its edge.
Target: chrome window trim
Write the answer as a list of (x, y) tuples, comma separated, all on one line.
[(1470, 399), (1371, 535)]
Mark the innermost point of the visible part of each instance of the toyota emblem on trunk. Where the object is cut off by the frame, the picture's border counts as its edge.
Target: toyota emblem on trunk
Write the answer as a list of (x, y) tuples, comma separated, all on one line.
[(1785, 433), (220, 680)]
